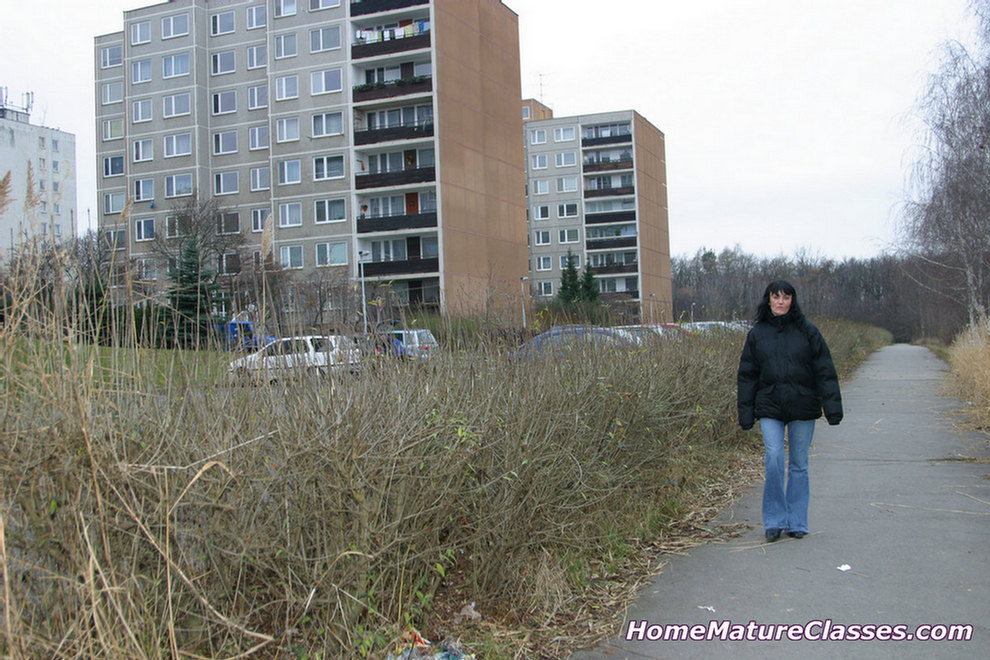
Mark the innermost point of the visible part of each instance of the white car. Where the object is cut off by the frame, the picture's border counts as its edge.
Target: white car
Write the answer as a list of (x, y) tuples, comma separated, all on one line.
[(295, 356)]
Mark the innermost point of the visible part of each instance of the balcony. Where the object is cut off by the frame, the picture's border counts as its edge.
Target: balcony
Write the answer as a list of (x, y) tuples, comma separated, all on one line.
[(609, 192), (392, 133), (397, 222), (364, 7), (610, 139), (390, 45), (615, 269), (401, 87), (609, 243), (406, 267), (604, 218), (609, 166), (400, 178)]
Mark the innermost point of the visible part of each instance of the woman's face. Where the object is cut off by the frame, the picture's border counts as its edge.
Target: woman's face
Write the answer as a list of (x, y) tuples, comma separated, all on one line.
[(780, 303)]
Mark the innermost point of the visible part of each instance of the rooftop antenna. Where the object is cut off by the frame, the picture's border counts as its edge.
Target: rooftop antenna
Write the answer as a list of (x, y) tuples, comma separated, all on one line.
[(541, 88)]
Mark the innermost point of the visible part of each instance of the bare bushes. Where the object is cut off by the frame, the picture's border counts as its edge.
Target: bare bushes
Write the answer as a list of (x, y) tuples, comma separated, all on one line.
[(969, 359)]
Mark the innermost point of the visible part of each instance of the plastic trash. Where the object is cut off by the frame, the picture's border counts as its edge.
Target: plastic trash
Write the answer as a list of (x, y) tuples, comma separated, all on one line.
[(413, 646), (844, 568)]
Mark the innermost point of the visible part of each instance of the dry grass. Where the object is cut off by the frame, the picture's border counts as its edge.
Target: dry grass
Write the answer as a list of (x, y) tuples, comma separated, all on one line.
[(969, 360), (151, 510)]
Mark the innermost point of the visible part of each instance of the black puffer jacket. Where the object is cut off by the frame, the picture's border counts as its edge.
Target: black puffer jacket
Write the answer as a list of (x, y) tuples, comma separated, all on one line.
[(786, 373)]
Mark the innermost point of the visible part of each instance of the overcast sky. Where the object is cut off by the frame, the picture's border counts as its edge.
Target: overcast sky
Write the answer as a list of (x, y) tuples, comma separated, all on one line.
[(789, 123)]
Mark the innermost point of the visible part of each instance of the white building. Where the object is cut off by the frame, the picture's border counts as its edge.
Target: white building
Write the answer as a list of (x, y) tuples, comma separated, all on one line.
[(42, 166)]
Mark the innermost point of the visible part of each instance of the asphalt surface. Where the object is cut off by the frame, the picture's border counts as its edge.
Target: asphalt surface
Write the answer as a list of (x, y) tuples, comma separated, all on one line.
[(900, 535)]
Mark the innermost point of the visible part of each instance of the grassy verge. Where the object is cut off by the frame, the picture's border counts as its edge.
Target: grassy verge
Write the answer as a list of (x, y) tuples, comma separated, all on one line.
[(969, 361), (151, 510)]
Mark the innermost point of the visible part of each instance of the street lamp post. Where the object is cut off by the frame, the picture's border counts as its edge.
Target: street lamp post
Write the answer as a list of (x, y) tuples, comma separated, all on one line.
[(522, 289), (364, 300), (652, 298)]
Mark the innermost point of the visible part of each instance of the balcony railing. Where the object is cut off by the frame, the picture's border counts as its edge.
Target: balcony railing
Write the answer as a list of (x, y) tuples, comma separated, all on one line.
[(402, 177), (613, 269), (397, 222), (416, 131), (401, 87), (608, 192), (614, 216), (391, 45), (363, 7), (609, 243), (609, 165), (611, 139), (405, 267)]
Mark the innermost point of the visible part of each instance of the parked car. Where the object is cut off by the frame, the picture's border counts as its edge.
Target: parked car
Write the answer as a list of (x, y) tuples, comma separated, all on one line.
[(645, 332), (292, 357), (561, 339), (409, 343), (699, 327)]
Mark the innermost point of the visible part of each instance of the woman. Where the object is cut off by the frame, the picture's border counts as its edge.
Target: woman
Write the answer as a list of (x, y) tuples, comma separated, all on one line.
[(786, 377)]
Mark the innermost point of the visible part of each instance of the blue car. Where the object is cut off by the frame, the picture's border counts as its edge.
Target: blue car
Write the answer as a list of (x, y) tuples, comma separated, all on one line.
[(562, 339)]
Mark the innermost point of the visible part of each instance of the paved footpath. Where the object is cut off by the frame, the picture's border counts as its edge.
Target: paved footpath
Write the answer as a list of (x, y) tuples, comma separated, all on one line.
[(890, 500)]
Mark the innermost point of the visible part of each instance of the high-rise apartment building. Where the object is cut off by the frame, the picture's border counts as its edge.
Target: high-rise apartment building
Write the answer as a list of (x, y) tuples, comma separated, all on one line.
[(375, 139), (42, 166), (598, 192)]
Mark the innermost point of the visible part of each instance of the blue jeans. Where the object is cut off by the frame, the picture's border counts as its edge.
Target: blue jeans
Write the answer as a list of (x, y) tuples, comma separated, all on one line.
[(786, 494)]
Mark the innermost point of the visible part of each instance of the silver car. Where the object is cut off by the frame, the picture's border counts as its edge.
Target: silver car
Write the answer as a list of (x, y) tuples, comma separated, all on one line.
[(294, 356)]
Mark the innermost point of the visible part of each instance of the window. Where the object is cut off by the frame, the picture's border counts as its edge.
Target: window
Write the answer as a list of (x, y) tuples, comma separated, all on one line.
[(112, 166), (384, 207), (286, 88), (287, 130), (175, 26), (563, 134), (285, 8), (144, 229), (140, 71), (229, 223), (545, 288), (177, 225), (539, 161), (285, 45), (176, 105), (567, 210), (328, 123), (257, 57), (544, 263), (538, 136), (225, 142), (178, 185), (146, 270), (222, 23), (525, 112), (144, 190), (140, 33), (541, 187), (261, 178), (541, 212), (324, 39), (324, 82), (566, 159), (315, 5), (290, 214), (141, 111), (257, 97), (54, 144), (54, 166), (289, 171), (330, 210), (228, 263), (174, 66), (566, 259), (113, 93), (178, 145), (568, 236), (225, 183), (224, 102), (113, 129), (143, 150), (328, 167), (290, 256), (258, 218), (331, 254), (258, 137), (542, 237), (224, 62), (567, 184), (116, 239), (111, 56), (113, 202), (256, 17)]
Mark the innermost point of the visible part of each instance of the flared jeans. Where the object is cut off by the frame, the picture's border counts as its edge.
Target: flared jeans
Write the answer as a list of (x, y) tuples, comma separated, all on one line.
[(786, 489)]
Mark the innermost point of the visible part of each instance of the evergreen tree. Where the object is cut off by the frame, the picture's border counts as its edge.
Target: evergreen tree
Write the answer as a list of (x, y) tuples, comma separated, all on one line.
[(589, 285), (570, 285), (191, 295)]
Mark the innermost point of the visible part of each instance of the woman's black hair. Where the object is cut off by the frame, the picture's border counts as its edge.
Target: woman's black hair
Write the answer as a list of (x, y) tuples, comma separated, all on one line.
[(763, 312)]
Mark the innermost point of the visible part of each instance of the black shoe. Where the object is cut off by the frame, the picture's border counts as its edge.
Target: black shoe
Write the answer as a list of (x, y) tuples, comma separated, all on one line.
[(773, 534), (796, 535)]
